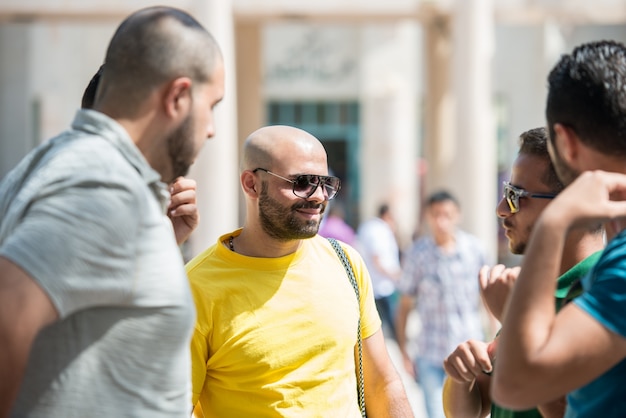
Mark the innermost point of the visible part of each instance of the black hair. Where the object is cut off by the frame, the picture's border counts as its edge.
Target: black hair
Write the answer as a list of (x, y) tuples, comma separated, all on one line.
[(441, 196), (151, 47), (587, 93), (89, 95), (535, 142)]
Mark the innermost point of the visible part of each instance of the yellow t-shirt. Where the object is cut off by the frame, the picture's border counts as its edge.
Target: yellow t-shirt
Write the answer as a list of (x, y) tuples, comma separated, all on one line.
[(276, 337)]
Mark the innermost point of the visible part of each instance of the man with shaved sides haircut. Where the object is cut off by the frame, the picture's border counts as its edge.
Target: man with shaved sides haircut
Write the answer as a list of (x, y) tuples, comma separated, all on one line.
[(277, 324), (96, 313)]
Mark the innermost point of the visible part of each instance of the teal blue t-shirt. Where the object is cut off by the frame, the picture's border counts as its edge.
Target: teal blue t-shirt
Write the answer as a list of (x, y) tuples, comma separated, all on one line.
[(566, 289), (604, 298)]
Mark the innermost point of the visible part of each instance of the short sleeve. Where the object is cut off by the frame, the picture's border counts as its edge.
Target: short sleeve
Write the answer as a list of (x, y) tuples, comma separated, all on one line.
[(199, 358), (605, 295), (77, 241)]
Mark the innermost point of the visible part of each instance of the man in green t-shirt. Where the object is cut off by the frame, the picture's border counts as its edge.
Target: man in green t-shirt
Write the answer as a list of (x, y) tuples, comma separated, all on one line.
[(532, 185)]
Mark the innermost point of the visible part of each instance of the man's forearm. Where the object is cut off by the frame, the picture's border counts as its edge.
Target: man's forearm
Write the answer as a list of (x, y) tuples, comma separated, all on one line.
[(462, 399), (530, 312), (390, 400), (24, 310), (12, 366), (401, 319)]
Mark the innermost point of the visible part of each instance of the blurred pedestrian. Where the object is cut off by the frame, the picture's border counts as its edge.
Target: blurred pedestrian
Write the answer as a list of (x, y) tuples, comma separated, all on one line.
[(439, 277), (335, 226), (380, 251)]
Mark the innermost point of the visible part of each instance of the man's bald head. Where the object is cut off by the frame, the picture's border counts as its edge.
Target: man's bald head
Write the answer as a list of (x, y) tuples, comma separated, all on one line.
[(271, 145), (154, 46)]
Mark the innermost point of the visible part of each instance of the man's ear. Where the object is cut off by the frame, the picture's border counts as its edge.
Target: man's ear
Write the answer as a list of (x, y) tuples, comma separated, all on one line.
[(567, 143), (177, 97), (250, 183)]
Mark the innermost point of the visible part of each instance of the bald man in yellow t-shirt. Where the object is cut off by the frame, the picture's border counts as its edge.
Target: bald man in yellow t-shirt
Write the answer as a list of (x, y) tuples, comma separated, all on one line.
[(276, 329)]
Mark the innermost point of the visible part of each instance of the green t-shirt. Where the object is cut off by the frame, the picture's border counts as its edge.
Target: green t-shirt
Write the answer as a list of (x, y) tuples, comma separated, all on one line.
[(567, 287)]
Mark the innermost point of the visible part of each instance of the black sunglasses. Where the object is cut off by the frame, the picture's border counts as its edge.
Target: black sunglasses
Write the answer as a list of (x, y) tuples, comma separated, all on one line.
[(305, 185), (512, 195)]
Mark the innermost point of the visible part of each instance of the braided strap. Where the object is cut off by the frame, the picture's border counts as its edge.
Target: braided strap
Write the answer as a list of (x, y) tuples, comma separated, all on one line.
[(346, 265)]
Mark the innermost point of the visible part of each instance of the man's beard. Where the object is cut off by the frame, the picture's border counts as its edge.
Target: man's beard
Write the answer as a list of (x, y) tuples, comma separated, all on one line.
[(518, 248), (282, 223), (180, 148)]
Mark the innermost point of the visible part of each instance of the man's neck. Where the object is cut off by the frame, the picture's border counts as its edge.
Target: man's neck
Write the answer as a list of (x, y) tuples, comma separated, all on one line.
[(253, 242), (445, 242), (578, 246)]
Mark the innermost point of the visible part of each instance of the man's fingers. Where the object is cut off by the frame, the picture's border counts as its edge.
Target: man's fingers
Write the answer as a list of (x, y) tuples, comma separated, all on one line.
[(183, 197), (483, 277), (468, 361), (512, 273), (496, 272), (181, 184), (487, 276), (184, 210)]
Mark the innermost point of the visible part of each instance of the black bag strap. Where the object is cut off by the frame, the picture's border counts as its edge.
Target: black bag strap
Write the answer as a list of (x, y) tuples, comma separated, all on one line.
[(346, 265)]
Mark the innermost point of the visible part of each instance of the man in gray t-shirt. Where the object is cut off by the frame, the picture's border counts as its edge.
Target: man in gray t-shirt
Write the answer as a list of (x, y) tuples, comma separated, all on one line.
[(95, 308)]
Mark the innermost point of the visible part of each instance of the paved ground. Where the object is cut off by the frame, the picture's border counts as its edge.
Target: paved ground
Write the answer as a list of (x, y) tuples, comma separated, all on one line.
[(413, 391)]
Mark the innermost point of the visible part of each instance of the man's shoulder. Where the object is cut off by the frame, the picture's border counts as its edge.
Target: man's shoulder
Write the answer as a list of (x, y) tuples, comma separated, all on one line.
[(320, 241), (82, 154), (351, 252), (616, 245), (205, 260), (80, 165)]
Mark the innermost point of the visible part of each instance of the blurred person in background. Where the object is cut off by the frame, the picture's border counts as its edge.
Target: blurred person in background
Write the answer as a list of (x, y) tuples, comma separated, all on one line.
[(378, 245), (335, 226), (439, 279)]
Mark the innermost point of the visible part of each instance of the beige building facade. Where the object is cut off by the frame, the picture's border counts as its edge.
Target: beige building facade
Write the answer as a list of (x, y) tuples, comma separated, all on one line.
[(406, 95)]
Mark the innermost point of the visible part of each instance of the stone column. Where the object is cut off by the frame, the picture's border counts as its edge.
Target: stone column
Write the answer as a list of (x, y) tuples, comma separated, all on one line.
[(216, 168), (250, 99), (475, 167), (389, 123), (17, 134), (439, 139), (460, 143)]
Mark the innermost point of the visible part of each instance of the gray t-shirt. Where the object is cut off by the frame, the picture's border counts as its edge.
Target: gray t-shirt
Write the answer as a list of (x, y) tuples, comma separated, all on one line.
[(84, 216)]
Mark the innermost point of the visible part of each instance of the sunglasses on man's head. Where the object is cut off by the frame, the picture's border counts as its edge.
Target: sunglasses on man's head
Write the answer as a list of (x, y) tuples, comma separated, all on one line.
[(305, 185), (512, 195)]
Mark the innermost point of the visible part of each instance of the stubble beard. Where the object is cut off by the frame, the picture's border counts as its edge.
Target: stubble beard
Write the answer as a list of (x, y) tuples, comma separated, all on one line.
[(281, 223), (519, 247), (180, 148)]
